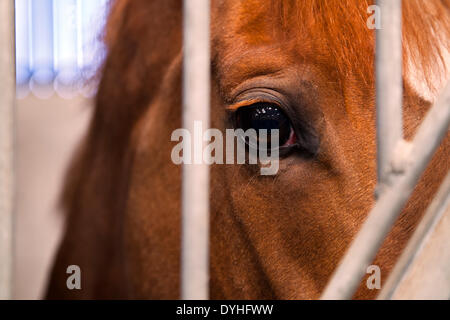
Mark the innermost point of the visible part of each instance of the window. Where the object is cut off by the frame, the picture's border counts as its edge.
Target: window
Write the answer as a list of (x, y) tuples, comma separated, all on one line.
[(58, 46)]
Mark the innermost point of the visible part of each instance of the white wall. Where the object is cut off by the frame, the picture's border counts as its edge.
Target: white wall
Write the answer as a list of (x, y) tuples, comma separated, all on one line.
[(47, 133)]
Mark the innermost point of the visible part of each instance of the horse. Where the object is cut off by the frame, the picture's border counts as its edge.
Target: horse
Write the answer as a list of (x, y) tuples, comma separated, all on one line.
[(271, 237)]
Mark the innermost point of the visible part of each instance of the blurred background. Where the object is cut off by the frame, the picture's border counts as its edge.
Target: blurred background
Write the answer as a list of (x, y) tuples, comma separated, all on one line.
[(58, 52)]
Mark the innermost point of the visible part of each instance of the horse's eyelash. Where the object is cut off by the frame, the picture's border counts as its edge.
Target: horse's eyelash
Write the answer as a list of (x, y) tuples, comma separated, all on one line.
[(248, 103)]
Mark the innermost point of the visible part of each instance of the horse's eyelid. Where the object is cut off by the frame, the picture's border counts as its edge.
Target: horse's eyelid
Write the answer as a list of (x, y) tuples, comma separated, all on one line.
[(248, 103)]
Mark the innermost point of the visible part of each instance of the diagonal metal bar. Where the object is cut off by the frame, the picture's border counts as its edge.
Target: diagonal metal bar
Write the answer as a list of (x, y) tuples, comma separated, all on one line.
[(367, 242), (427, 253)]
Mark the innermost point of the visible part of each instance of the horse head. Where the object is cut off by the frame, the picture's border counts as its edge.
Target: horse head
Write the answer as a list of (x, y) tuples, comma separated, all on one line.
[(307, 63)]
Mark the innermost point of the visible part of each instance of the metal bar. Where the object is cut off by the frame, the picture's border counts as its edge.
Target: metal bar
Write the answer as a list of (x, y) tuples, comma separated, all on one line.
[(389, 86), (195, 184), (365, 246), (427, 253), (7, 98)]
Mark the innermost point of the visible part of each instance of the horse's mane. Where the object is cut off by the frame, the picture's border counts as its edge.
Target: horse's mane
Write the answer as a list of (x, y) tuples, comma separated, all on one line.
[(426, 36), (340, 26), (138, 55)]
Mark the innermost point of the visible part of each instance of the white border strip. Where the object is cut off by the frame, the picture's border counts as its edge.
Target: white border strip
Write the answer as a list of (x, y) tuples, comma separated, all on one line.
[(7, 100)]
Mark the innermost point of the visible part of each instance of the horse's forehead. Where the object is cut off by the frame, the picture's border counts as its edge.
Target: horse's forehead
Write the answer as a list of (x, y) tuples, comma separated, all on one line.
[(249, 41), (334, 33), (248, 25), (256, 36), (249, 20)]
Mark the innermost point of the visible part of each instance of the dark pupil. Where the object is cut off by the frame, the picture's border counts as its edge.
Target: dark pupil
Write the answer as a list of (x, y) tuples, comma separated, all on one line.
[(265, 116)]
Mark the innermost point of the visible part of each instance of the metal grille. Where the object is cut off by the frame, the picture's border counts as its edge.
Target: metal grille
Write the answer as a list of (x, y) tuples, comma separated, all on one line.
[(398, 171)]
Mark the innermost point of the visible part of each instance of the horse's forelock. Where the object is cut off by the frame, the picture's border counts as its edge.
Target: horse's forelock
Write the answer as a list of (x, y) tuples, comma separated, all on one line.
[(426, 36), (340, 25), (334, 26)]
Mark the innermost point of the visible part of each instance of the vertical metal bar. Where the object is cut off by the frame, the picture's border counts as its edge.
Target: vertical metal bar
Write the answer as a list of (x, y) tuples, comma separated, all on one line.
[(389, 86), (7, 97), (195, 184), (365, 246)]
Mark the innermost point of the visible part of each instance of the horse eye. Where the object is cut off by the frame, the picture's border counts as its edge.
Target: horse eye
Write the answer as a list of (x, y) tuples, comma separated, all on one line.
[(266, 116)]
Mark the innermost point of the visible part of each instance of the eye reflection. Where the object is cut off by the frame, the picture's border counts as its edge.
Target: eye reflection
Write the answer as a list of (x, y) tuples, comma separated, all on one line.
[(269, 117)]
